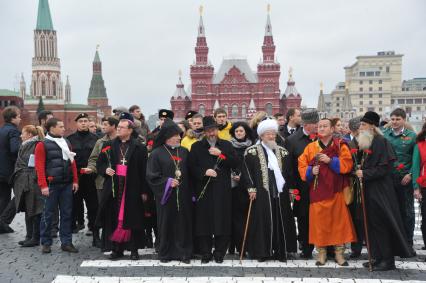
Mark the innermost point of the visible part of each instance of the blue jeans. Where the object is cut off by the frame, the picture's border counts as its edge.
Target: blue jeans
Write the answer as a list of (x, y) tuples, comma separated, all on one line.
[(59, 194)]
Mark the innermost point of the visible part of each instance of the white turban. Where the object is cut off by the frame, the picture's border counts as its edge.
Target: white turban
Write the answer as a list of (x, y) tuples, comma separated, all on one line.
[(267, 125)]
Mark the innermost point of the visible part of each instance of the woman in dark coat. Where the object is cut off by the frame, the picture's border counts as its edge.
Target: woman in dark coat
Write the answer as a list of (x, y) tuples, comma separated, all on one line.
[(27, 192), (242, 138)]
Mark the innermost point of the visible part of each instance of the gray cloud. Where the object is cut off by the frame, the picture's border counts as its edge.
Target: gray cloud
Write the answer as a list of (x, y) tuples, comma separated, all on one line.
[(145, 43)]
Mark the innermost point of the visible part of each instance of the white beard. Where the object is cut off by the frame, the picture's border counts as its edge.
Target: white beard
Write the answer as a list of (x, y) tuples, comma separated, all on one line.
[(271, 144), (365, 139)]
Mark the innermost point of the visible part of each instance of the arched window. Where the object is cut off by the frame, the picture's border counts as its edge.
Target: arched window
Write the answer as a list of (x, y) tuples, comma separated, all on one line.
[(234, 89), (43, 88), (225, 107), (268, 109), (234, 110), (202, 109), (243, 111), (53, 88)]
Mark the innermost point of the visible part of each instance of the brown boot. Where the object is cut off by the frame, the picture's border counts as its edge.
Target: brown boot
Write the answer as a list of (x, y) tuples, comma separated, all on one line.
[(339, 257), (322, 256)]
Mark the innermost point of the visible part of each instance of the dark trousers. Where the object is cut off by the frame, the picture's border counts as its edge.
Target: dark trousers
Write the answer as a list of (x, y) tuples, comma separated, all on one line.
[(87, 193), (59, 194), (221, 243), (5, 195), (301, 210), (406, 206), (32, 225), (423, 212), (9, 212), (356, 211)]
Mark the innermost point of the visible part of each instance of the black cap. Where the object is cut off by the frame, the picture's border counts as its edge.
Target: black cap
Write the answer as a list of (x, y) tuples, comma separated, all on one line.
[(209, 122), (126, 116), (164, 113), (168, 130), (371, 118), (81, 115), (189, 114)]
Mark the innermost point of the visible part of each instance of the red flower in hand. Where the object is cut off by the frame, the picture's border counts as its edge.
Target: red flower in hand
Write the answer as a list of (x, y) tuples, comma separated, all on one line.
[(354, 151), (222, 156), (313, 136), (368, 151), (400, 167), (50, 178), (176, 158), (105, 149), (297, 197), (150, 143), (82, 171), (296, 192)]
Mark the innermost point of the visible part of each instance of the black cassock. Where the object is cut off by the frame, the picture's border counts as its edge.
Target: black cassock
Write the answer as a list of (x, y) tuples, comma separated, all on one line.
[(385, 227), (174, 222), (272, 231), (212, 211), (135, 183)]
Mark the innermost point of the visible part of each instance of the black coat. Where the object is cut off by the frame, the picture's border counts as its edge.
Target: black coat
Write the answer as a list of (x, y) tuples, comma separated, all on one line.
[(135, 186), (82, 144), (213, 210), (385, 227), (174, 224), (10, 141)]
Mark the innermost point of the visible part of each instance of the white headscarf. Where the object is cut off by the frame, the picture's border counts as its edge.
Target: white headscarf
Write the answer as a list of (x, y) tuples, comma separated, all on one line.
[(67, 154)]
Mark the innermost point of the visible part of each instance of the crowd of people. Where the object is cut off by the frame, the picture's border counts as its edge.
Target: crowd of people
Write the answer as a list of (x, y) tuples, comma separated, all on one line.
[(266, 189)]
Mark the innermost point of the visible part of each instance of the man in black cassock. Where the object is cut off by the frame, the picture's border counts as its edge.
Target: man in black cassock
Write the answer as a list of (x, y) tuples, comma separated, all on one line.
[(272, 230), (123, 164), (168, 178), (210, 163), (385, 228)]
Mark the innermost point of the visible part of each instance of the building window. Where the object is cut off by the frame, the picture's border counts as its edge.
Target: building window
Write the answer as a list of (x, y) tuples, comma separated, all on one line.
[(370, 82), (409, 101), (370, 95), (370, 109), (337, 104), (370, 102), (43, 88), (225, 107), (370, 89), (202, 109), (201, 89), (360, 82), (380, 88), (268, 89), (268, 109), (380, 109), (243, 111), (361, 89), (392, 101), (337, 98), (234, 110), (362, 74), (360, 96), (377, 73), (361, 102), (401, 101), (53, 88), (370, 74), (418, 101), (380, 95), (234, 89), (418, 108), (387, 69), (361, 110), (380, 82), (380, 102)]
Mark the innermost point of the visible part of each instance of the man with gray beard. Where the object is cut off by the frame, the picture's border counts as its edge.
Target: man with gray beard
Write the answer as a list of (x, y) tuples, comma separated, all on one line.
[(385, 228), (272, 230), (210, 162)]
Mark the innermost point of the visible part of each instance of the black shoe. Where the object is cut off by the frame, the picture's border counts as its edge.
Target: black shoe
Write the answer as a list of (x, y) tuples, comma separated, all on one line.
[(231, 250), (306, 255), (165, 260), (262, 259), (424, 248), (31, 243), (134, 255), (185, 260), (69, 248), (5, 228), (373, 263), (115, 255), (89, 233), (45, 249), (96, 242), (354, 255), (206, 258), (218, 259), (384, 265), (23, 241)]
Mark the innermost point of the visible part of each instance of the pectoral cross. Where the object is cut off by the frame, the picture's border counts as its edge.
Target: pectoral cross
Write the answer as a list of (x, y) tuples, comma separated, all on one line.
[(123, 161)]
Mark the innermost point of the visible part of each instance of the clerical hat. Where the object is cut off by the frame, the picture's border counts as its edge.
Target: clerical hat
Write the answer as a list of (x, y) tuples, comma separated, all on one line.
[(189, 114), (371, 118), (164, 113), (81, 115), (209, 122), (310, 116), (168, 130)]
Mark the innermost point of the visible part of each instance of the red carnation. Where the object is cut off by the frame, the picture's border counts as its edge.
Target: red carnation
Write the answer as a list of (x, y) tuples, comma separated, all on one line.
[(354, 151), (296, 192), (50, 178), (297, 197), (176, 158), (312, 136), (368, 151), (150, 143), (222, 156), (105, 149), (400, 167)]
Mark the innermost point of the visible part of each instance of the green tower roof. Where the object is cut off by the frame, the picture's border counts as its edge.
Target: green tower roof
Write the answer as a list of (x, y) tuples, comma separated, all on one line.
[(97, 59), (44, 20)]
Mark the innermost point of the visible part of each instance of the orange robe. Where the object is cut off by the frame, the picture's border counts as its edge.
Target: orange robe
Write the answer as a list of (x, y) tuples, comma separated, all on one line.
[(330, 222)]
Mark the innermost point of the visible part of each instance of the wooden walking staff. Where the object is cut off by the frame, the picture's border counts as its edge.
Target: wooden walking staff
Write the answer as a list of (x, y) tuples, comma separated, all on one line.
[(245, 231), (364, 212)]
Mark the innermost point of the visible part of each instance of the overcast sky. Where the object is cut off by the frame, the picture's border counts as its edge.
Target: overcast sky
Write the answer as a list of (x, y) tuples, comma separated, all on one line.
[(143, 43)]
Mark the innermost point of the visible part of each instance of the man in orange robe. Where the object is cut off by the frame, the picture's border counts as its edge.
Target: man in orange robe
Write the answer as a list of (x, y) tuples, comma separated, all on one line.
[(324, 165)]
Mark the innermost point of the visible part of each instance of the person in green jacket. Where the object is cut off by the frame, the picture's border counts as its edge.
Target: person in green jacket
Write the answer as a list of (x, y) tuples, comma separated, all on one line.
[(403, 141)]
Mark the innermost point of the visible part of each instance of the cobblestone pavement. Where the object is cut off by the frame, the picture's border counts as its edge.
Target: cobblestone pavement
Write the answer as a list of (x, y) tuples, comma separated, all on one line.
[(19, 264)]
